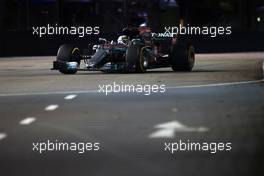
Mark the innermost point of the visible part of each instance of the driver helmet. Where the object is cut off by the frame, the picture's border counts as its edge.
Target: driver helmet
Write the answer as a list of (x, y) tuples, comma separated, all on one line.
[(123, 39), (143, 28)]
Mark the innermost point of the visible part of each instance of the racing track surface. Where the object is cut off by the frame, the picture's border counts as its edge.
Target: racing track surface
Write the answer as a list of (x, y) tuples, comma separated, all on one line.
[(35, 106)]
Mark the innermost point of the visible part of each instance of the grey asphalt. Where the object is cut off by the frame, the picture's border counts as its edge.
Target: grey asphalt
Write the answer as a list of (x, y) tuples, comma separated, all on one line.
[(122, 123)]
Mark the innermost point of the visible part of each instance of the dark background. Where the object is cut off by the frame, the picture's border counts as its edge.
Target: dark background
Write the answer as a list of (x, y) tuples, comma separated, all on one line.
[(18, 16)]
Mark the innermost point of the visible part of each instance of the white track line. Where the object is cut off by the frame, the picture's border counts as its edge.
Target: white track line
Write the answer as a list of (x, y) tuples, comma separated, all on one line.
[(2, 136), (70, 97), (27, 121), (217, 84), (51, 107), (169, 87), (172, 87), (49, 93)]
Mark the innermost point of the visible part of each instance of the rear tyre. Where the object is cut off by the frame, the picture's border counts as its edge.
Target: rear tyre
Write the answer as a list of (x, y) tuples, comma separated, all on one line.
[(182, 58), (68, 53)]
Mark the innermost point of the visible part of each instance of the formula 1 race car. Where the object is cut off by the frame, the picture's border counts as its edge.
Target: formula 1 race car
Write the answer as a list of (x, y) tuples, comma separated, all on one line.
[(136, 50)]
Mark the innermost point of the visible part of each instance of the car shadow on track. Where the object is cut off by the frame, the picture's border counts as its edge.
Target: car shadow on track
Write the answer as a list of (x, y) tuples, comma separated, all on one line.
[(148, 72)]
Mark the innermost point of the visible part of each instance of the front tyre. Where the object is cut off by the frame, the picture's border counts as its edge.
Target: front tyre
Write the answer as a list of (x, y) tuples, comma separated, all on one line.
[(182, 58), (142, 64), (70, 56), (136, 58)]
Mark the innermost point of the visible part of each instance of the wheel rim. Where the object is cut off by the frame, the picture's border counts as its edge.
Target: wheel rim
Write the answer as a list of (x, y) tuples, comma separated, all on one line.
[(76, 55), (143, 60)]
